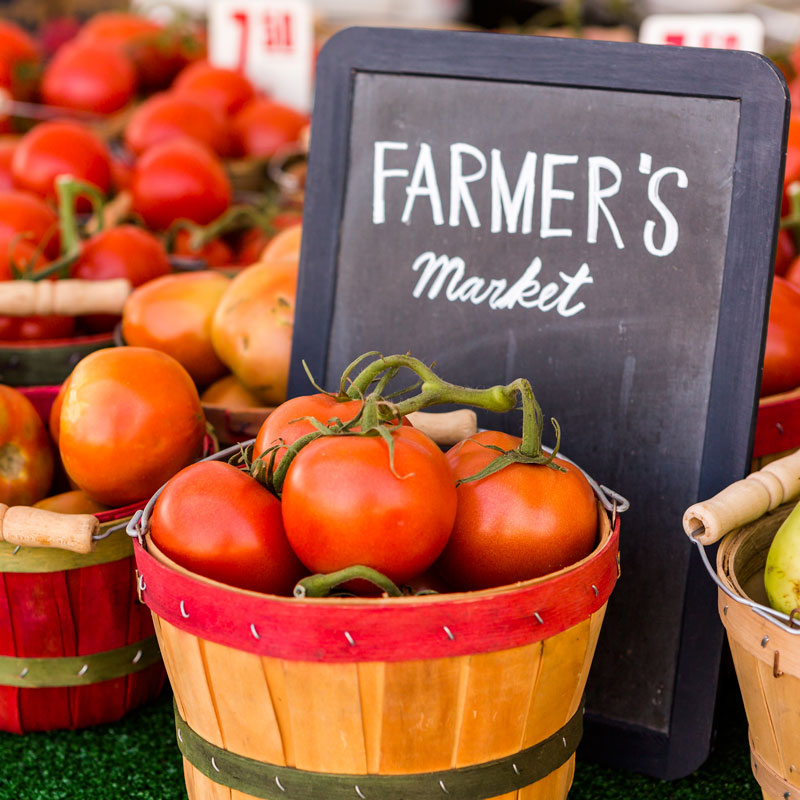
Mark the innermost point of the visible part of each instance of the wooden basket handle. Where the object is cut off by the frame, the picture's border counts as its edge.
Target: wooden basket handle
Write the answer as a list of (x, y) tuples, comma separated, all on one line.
[(447, 427), (68, 297), (36, 527), (744, 501)]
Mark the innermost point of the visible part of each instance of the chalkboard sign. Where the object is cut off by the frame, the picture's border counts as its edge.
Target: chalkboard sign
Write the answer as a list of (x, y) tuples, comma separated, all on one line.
[(599, 218)]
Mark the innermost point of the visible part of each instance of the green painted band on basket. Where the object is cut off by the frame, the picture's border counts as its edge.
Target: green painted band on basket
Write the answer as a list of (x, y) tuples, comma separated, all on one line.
[(79, 670), (46, 364), (117, 546), (272, 782)]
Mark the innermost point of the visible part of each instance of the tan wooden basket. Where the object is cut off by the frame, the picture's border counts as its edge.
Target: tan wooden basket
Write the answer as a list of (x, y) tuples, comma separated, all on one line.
[(764, 643), (473, 694)]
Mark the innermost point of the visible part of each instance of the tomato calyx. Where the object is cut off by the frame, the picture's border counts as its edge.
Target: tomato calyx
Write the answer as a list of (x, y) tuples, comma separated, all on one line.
[(371, 420)]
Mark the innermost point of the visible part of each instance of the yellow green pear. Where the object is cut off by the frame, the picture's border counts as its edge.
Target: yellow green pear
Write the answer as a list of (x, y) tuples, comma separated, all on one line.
[(782, 573)]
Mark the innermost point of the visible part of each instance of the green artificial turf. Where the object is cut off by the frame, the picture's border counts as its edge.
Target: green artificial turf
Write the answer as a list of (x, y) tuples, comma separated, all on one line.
[(138, 758)]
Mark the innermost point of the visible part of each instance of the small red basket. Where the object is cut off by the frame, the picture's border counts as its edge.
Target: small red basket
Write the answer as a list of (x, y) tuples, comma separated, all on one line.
[(76, 646)]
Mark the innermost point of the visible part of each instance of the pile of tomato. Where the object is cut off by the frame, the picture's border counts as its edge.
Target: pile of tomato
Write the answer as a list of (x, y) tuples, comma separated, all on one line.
[(131, 110), (782, 355)]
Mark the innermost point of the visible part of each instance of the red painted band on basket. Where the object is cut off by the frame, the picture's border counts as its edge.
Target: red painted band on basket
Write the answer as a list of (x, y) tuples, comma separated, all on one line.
[(398, 629)]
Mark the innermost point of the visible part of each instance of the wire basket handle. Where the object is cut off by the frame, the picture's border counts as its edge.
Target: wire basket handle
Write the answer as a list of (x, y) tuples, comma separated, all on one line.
[(744, 501)]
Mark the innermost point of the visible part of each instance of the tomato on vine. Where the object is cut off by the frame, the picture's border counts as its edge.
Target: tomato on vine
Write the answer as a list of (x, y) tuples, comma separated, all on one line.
[(349, 500), (521, 522)]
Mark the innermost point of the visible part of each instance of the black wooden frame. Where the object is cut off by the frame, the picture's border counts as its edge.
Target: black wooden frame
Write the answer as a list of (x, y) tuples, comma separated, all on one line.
[(761, 91)]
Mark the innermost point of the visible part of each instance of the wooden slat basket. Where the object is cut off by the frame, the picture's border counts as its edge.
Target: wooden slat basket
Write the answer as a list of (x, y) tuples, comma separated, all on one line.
[(472, 694), (764, 643), (76, 646)]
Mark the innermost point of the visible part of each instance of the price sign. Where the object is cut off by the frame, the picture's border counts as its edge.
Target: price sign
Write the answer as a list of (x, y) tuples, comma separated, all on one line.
[(271, 42), (719, 31)]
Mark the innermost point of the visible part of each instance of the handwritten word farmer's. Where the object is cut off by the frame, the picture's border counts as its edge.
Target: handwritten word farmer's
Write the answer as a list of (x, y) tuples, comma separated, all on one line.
[(512, 211)]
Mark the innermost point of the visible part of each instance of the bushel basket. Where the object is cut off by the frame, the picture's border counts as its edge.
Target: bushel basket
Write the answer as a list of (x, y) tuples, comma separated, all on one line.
[(76, 646), (472, 695), (764, 643)]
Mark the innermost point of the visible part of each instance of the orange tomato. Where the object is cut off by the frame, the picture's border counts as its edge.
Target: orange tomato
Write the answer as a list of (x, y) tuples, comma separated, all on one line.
[(231, 393), (131, 418), (72, 502), (54, 420), (26, 455), (284, 246), (252, 327), (173, 314)]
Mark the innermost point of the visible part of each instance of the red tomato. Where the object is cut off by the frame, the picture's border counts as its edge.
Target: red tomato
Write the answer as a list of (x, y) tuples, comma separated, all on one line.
[(56, 32), (782, 355), (169, 115), (126, 251), (23, 253), (7, 147), (224, 90), (263, 126), (26, 456), (157, 52), (519, 523), (784, 252), (131, 418), (25, 213), (57, 148), (173, 314), (251, 244), (343, 505), (215, 253), (287, 424), (792, 169), (19, 56), (89, 76), (179, 179), (217, 521), (18, 329)]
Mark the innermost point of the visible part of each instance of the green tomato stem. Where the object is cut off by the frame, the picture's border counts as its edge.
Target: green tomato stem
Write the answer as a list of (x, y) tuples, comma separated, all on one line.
[(68, 190), (321, 585), (435, 391)]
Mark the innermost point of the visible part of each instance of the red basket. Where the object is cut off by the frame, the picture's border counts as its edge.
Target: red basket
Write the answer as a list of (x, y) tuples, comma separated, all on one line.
[(76, 646)]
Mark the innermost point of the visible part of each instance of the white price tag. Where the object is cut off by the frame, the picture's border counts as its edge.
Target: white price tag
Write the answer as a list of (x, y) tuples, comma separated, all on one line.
[(720, 31), (271, 41)]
